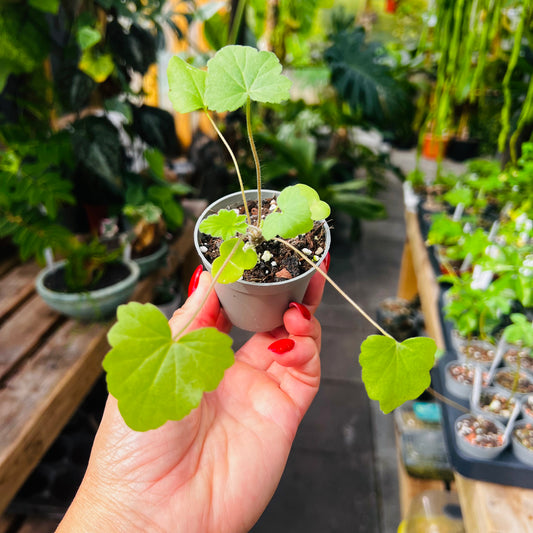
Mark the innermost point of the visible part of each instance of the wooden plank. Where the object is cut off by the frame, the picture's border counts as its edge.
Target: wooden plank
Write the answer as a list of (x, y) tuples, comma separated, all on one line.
[(492, 508), (8, 263), (38, 400), (428, 288), (24, 331), (16, 286), (407, 286)]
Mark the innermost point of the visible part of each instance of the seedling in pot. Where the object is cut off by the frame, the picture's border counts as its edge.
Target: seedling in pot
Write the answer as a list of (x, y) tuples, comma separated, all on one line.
[(158, 377)]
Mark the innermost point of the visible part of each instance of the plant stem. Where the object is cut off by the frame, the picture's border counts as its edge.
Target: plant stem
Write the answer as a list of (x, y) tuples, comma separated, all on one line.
[(235, 164), (211, 287), (336, 287), (443, 399), (256, 158), (236, 22)]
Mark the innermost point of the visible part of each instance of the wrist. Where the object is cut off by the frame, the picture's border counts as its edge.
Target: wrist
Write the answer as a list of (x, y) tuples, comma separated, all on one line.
[(91, 511)]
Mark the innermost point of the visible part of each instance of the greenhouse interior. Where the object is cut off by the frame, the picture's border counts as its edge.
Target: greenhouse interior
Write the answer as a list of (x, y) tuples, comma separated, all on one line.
[(327, 202)]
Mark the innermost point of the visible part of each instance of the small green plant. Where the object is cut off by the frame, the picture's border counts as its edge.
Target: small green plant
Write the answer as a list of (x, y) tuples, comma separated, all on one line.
[(158, 377)]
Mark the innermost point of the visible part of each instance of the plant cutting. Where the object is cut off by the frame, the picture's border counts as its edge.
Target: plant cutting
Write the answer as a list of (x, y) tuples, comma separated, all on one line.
[(146, 236), (143, 348)]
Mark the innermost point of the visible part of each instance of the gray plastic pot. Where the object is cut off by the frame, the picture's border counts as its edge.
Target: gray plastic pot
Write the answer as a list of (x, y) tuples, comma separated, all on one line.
[(256, 306), (89, 305)]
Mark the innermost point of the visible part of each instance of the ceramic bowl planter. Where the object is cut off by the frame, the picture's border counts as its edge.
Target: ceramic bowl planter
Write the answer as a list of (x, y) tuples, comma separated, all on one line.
[(90, 305), (153, 261), (522, 442), (256, 306), (494, 404), (459, 378), (479, 437)]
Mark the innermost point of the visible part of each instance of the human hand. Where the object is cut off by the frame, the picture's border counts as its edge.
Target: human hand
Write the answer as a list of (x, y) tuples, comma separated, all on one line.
[(216, 469)]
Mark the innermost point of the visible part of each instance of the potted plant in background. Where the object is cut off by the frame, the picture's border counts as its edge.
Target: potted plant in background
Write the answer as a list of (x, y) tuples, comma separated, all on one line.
[(235, 76)]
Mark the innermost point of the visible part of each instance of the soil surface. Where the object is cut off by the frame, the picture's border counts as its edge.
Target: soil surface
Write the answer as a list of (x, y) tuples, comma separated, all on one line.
[(113, 273), (276, 262)]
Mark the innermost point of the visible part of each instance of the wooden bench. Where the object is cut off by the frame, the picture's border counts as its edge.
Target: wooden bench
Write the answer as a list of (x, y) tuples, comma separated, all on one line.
[(48, 363), (486, 507)]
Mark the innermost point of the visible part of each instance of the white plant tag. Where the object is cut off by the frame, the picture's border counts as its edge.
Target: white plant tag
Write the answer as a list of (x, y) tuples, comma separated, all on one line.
[(49, 257), (410, 198), (493, 230), (466, 263), (481, 279), (126, 254), (458, 213)]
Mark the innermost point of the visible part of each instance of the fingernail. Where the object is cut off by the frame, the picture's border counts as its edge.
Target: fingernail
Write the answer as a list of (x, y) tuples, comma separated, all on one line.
[(281, 346), (195, 279), (303, 310), (327, 260)]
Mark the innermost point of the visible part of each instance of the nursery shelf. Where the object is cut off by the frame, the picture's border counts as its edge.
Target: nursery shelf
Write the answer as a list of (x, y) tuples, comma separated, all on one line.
[(48, 363), (492, 497)]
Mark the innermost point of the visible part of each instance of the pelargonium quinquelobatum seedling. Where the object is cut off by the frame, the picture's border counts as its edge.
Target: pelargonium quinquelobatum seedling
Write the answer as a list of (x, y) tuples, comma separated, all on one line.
[(157, 377)]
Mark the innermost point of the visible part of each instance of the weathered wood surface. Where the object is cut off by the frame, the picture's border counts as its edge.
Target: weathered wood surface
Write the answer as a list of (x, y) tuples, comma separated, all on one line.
[(487, 507), (48, 363)]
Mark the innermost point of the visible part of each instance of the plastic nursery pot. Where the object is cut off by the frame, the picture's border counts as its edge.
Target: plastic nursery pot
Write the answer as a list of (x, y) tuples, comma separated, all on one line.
[(514, 355), (522, 441), (459, 378), (495, 404), (527, 408), (256, 306), (89, 305), (477, 352), (153, 261), (479, 437), (504, 380)]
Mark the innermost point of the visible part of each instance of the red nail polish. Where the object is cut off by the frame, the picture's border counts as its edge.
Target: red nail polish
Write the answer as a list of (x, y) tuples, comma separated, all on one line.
[(195, 279), (303, 310), (282, 346), (327, 260)]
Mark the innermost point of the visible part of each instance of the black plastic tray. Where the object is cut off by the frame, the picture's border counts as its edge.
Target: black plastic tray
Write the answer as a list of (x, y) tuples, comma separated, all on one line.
[(505, 469)]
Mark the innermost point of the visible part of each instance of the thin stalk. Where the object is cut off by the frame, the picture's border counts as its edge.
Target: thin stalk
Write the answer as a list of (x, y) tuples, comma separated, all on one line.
[(232, 155), (256, 158), (443, 399), (211, 287), (236, 22), (336, 287)]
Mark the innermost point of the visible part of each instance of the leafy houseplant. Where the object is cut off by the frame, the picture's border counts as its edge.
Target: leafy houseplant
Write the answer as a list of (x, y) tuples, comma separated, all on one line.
[(146, 358)]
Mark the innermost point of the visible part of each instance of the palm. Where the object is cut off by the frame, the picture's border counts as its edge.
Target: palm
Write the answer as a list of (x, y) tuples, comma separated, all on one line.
[(220, 465)]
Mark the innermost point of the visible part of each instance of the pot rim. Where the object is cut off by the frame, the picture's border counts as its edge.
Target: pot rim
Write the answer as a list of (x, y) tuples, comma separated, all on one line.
[(74, 296), (238, 195)]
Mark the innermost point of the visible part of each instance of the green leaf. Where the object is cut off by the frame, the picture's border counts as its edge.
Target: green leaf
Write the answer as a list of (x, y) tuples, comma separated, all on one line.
[(237, 73), (226, 224), (294, 219), (520, 331), (124, 108), (155, 378), (319, 209), (98, 67), (241, 259), (186, 85), (48, 6), (88, 37), (395, 372)]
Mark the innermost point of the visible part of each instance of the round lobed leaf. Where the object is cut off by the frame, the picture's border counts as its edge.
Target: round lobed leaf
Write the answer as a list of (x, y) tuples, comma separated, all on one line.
[(155, 378)]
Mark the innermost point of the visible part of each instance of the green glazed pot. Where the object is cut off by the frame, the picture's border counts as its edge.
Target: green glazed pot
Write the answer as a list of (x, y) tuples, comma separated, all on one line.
[(90, 305)]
